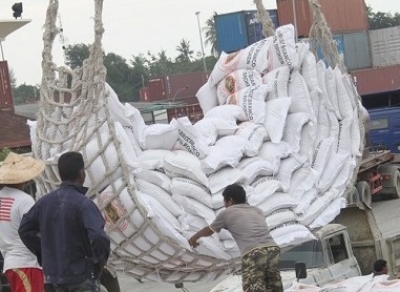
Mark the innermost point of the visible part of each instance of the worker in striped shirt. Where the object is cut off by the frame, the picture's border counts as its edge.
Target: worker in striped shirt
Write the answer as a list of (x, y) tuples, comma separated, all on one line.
[(21, 266)]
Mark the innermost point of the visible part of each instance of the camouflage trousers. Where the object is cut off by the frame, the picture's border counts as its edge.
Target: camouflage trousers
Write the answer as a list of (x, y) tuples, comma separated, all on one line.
[(260, 270)]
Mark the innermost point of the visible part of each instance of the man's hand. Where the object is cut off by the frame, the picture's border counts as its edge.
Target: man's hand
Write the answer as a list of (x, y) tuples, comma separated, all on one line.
[(193, 241)]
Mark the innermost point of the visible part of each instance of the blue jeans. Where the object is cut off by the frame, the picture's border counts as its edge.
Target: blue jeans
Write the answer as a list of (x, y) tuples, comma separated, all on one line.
[(89, 285)]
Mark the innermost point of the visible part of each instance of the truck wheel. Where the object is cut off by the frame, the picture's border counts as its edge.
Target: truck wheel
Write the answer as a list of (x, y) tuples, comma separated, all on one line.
[(364, 191)]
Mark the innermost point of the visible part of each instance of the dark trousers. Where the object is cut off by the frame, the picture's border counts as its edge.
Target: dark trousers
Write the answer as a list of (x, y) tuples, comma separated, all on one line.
[(89, 285)]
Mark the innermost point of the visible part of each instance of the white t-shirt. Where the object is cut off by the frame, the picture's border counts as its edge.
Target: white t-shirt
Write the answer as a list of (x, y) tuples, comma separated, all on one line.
[(13, 205)]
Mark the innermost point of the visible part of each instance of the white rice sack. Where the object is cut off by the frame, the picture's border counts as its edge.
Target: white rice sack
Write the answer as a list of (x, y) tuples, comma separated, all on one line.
[(160, 195), (256, 134), (309, 71), (97, 177), (209, 129), (210, 246), (228, 112), (152, 158), (334, 166), (251, 100), (345, 175), (291, 234), (156, 214), (317, 207), (307, 140), (332, 91), (235, 81), (323, 125), (276, 111), (279, 217), (217, 200), (283, 50), (386, 286), (288, 166), (344, 102), (333, 128), (305, 202), (303, 180), (181, 163), (225, 177), (350, 284), (293, 129), (194, 222), (321, 71), (276, 201), (155, 177), (239, 143), (265, 186), (159, 136), (345, 140), (116, 211), (189, 139), (192, 189), (207, 97), (277, 80), (356, 135), (219, 157), (194, 207), (315, 101), (327, 215), (273, 153), (350, 89), (298, 90), (302, 48), (299, 287), (322, 154), (253, 167)]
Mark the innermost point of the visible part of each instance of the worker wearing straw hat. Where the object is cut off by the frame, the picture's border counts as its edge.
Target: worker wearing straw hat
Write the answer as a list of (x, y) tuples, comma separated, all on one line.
[(21, 266)]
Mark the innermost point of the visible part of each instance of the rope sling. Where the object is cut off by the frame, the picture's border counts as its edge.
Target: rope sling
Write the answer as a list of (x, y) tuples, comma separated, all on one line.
[(73, 110)]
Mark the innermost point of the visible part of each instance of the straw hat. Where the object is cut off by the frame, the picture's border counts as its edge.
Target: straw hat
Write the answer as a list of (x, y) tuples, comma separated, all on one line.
[(18, 169)]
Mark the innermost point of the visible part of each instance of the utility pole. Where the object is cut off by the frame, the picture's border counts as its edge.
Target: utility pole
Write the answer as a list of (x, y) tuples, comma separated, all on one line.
[(201, 41)]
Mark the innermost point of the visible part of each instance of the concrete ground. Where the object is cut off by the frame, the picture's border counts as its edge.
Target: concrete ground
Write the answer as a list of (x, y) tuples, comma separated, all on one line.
[(129, 284)]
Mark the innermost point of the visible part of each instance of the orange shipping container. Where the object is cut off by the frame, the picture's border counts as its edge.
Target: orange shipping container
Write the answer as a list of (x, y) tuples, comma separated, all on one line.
[(343, 16)]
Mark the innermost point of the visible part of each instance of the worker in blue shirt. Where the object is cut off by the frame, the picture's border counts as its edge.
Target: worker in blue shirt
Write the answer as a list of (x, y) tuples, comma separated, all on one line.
[(65, 230)]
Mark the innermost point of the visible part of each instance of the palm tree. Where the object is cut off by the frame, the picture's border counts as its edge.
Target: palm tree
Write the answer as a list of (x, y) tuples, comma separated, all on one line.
[(211, 34), (185, 53)]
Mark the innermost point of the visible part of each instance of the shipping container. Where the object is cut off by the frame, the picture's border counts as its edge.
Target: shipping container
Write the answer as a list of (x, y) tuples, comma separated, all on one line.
[(238, 30), (183, 86), (385, 46), (342, 16), (144, 94), (377, 80), (338, 38), (192, 111), (6, 100), (356, 51), (157, 89)]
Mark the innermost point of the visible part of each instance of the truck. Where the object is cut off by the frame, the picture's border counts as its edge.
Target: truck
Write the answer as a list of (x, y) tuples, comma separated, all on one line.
[(366, 230)]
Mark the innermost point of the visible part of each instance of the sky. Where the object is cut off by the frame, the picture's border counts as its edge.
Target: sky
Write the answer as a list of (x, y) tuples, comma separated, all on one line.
[(131, 27)]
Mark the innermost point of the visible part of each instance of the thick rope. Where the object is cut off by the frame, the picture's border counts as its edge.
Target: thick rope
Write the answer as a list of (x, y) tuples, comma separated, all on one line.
[(321, 37), (263, 17)]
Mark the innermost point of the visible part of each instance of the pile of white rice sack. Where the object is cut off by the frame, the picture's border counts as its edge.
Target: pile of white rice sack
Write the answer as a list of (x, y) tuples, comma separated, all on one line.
[(275, 121)]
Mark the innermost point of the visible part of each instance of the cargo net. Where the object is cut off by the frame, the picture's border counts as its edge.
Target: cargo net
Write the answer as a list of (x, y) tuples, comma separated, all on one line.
[(281, 124)]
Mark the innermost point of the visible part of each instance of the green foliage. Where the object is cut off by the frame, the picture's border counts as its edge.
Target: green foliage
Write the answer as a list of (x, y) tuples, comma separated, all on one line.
[(185, 53), (382, 19), (3, 153), (76, 54), (25, 94), (211, 34)]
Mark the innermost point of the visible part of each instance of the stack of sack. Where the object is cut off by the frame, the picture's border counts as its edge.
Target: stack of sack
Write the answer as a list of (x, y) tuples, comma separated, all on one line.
[(276, 121), (367, 283)]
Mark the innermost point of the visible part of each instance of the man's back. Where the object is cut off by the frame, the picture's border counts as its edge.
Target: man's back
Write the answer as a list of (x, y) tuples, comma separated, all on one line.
[(72, 238)]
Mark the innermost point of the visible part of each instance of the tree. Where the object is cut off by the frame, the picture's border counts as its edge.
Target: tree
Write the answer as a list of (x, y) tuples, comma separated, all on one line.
[(211, 34), (76, 54), (382, 19), (25, 93), (185, 53)]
